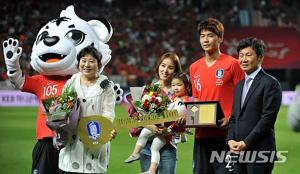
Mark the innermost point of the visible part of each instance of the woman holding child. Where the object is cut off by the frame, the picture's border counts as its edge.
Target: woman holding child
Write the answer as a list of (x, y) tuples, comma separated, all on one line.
[(167, 66)]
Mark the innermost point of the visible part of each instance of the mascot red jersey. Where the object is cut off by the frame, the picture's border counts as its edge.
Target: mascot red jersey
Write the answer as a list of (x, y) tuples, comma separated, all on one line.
[(54, 58)]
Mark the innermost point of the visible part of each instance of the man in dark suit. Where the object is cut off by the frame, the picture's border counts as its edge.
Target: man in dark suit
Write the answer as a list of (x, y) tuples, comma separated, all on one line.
[(256, 103)]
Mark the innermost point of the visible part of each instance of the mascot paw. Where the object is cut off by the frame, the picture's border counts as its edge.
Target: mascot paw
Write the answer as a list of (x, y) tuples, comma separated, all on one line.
[(118, 93), (180, 107), (105, 52), (12, 53)]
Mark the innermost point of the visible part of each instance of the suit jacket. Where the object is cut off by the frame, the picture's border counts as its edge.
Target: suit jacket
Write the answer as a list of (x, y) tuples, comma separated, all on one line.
[(254, 122)]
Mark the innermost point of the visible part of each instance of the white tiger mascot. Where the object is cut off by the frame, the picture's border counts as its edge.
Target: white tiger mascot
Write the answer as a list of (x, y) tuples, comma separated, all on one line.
[(54, 58)]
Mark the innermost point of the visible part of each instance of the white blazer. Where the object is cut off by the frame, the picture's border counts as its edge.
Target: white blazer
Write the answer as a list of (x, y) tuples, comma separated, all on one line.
[(74, 157)]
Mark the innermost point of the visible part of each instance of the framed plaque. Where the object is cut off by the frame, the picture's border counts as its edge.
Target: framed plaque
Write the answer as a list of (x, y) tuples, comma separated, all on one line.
[(203, 114)]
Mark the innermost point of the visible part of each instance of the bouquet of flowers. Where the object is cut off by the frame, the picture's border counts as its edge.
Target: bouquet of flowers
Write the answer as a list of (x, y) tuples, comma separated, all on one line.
[(146, 100), (149, 99), (57, 108), (62, 115)]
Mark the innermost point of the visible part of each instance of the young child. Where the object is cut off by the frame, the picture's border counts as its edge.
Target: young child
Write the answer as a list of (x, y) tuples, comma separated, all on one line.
[(181, 87)]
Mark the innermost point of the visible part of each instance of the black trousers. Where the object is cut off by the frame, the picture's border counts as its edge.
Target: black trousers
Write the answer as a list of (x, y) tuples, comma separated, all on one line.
[(203, 149), (45, 157), (253, 168)]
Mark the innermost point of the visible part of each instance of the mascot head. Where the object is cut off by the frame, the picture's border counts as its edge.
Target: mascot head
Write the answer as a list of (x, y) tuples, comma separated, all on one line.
[(60, 40)]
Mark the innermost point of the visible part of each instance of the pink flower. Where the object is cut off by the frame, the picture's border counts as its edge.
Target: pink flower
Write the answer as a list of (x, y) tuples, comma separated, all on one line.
[(153, 99), (54, 105)]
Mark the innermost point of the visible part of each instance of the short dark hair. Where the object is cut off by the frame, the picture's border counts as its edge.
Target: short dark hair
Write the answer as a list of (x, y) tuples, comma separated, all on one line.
[(256, 44), (185, 78), (175, 59), (91, 51), (213, 25)]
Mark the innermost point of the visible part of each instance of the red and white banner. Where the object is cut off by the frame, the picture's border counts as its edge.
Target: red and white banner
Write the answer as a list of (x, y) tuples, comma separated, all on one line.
[(283, 45), (17, 98)]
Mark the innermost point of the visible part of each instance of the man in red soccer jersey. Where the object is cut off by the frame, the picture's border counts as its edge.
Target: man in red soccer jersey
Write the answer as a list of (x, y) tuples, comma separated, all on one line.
[(213, 78)]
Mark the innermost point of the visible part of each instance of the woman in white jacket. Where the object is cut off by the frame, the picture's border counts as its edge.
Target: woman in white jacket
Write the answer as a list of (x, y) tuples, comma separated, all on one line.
[(96, 96)]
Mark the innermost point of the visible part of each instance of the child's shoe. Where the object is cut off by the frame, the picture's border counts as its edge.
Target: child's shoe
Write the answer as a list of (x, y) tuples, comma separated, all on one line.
[(148, 172), (132, 158)]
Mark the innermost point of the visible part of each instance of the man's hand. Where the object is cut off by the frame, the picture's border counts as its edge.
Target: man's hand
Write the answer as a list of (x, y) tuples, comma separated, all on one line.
[(241, 146), (223, 122), (232, 144), (236, 147)]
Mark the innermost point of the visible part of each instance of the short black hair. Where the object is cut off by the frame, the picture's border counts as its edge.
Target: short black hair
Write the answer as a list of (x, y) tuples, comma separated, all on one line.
[(256, 44), (91, 51), (213, 25)]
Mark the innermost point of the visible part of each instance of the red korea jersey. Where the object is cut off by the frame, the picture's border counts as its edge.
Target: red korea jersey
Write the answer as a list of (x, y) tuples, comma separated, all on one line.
[(215, 83), (44, 86), (183, 98)]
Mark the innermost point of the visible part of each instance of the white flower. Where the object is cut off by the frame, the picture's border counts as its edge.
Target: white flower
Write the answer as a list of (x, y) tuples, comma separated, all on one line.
[(159, 99), (153, 106), (146, 97)]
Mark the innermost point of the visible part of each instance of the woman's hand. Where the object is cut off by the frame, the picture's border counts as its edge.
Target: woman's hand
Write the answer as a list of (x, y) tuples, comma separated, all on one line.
[(113, 134), (181, 120), (159, 130), (154, 129)]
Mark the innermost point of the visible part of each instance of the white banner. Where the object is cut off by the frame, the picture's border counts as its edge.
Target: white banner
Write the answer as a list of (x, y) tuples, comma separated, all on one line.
[(17, 98)]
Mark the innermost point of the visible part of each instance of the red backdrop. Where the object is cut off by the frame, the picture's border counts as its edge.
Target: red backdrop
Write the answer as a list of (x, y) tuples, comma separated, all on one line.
[(283, 46)]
